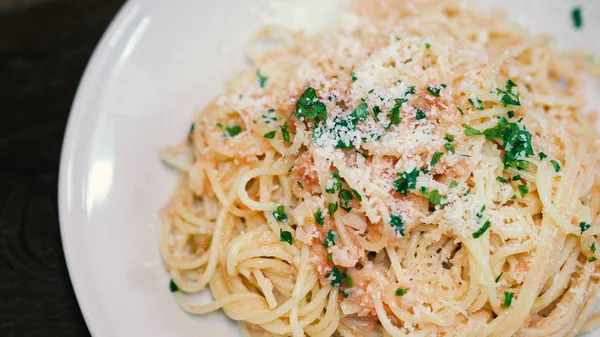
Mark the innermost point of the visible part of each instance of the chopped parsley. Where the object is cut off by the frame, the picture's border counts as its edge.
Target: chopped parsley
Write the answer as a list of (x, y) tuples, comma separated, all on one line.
[(516, 142), (542, 155), (476, 103), (517, 177), (511, 114), (523, 190), (173, 286), (498, 278), (449, 138), (192, 127), (348, 280), (556, 165), (332, 207), (309, 107), (279, 214), (353, 75), (284, 132), (336, 185), (401, 291), (577, 17), (329, 257), (481, 230), (435, 91), (394, 115), (376, 112), (270, 135), (471, 131), (300, 184), (406, 181), (508, 96), (435, 159), (346, 196), (508, 297), (479, 214), (285, 236), (410, 90), (502, 180), (592, 259), (230, 130), (420, 114), (356, 194), (262, 80), (449, 147), (427, 45), (584, 226), (319, 218), (593, 247), (434, 196), (330, 239), (461, 112), (453, 183), (336, 276), (359, 114), (397, 224), (270, 116)]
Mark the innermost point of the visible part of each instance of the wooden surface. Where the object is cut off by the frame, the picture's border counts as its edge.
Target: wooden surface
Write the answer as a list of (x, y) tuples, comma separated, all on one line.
[(44, 47)]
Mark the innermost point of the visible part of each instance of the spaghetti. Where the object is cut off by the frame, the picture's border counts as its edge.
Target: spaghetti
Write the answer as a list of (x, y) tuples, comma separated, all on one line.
[(423, 169)]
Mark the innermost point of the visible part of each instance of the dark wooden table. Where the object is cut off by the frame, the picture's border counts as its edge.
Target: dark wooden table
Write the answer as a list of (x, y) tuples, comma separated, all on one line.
[(44, 47)]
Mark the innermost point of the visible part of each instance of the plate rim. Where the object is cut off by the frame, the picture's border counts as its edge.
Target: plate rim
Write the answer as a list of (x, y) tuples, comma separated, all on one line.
[(99, 60)]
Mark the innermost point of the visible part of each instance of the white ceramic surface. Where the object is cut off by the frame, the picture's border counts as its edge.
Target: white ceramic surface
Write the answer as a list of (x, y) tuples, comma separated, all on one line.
[(158, 62)]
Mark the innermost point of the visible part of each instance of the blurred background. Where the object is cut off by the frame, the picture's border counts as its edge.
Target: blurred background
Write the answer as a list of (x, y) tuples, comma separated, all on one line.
[(44, 47)]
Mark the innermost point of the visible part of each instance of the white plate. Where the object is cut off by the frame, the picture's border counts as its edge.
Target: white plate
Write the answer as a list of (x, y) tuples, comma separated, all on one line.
[(158, 62)]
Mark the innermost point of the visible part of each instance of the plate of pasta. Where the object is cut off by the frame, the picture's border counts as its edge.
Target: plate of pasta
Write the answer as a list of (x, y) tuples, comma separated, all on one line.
[(339, 168)]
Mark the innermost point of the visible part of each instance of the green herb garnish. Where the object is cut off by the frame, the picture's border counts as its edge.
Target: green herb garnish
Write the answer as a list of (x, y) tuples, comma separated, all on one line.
[(348, 280), (449, 147), (523, 190), (542, 155), (584, 226), (556, 165), (270, 135), (401, 291), (332, 207), (173, 286), (508, 96), (476, 103), (406, 181), (435, 159), (592, 259), (498, 278), (577, 17), (511, 114), (262, 80), (232, 131), (502, 180), (420, 114), (449, 138), (345, 196), (329, 257), (309, 107), (284, 132), (356, 194), (470, 131), (300, 184), (593, 247), (435, 91), (336, 276), (285, 236), (482, 230), (508, 297), (336, 185), (192, 127), (397, 224), (319, 218), (453, 183), (353, 75), (280, 215), (330, 239)]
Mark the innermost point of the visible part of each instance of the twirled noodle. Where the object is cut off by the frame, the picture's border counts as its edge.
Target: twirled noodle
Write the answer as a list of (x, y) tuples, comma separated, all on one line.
[(423, 169)]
